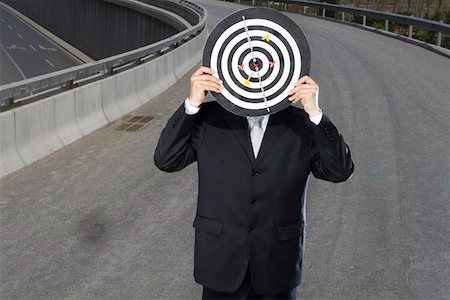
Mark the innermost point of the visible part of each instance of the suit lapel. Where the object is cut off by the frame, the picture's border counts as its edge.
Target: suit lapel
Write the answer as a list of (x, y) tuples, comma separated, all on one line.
[(277, 124), (239, 126)]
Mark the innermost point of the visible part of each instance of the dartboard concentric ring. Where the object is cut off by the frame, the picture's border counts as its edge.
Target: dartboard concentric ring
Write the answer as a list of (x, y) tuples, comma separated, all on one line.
[(259, 54)]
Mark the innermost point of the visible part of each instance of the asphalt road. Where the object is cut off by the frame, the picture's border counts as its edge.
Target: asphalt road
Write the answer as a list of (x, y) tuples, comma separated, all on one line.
[(97, 219), (25, 53)]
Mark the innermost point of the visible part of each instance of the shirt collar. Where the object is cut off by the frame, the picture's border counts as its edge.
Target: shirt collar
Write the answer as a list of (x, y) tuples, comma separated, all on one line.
[(263, 122)]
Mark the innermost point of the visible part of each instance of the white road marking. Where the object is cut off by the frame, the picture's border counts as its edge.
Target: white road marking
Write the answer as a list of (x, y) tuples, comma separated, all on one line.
[(2, 20), (12, 60), (44, 48), (14, 47), (10, 27), (31, 46), (50, 63), (20, 36)]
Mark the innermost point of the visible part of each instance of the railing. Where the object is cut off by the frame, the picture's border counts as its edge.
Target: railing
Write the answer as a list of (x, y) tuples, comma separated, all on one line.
[(411, 21), (13, 93)]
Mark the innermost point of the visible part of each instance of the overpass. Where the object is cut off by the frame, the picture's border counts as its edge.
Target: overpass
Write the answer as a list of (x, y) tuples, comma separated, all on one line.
[(97, 219), (25, 53)]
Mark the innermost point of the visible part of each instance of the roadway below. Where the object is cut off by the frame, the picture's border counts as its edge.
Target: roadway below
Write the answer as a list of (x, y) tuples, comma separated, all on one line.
[(98, 220), (25, 52)]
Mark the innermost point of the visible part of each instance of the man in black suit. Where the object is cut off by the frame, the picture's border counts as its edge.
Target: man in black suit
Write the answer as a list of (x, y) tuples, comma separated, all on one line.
[(250, 218)]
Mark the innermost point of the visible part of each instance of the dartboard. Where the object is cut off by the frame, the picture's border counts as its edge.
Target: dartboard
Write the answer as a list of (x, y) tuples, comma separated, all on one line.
[(259, 54)]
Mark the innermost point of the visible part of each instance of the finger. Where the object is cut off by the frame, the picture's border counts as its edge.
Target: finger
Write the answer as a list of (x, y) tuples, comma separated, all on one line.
[(202, 70), (204, 84), (298, 100), (300, 95), (301, 88), (309, 80), (306, 79), (301, 80), (304, 83), (206, 77), (210, 86)]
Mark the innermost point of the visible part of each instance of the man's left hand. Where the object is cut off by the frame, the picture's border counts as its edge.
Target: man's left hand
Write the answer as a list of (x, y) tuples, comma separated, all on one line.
[(306, 91)]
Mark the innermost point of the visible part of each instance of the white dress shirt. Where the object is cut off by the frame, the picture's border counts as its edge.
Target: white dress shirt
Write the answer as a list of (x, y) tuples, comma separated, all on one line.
[(192, 110)]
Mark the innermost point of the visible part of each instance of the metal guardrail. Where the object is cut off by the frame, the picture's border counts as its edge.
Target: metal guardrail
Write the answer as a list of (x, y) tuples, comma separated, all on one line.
[(438, 27), (13, 92)]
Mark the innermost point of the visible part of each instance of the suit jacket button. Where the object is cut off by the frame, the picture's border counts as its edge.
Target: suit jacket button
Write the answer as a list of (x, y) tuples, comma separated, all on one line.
[(254, 173), (252, 201)]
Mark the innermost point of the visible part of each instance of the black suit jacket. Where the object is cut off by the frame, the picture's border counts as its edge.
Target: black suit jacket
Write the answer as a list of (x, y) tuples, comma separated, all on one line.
[(251, 211)]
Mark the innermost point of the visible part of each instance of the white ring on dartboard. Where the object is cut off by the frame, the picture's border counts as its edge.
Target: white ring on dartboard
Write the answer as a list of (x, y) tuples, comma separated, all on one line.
[(246, 52), (258, 95), (246, 61), (258, 75), (248, 57), (238, 81), (259, 34)]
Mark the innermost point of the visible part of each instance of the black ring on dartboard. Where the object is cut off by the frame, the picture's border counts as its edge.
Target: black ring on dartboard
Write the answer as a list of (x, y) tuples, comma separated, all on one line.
[(274, 46), (258, 13), (265, 53), (238, 81), (275, 81), (253, 38), (256, 49), (284, 86), (243, 87)]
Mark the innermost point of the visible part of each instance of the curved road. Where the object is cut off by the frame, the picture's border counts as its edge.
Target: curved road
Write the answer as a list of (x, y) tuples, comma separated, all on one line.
[(98, 220), (25, 52)]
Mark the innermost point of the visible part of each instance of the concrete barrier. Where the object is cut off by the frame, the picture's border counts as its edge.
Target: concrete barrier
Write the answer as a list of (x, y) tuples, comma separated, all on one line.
[(36, 133), (10, 159), (142, 83), (88, 108), (126, 92), (33, 131), (66, 122), (161, 74), (189, 54), (109, 98)]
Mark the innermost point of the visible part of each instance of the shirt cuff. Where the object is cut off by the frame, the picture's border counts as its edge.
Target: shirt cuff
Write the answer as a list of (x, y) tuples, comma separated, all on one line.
[(316, 119), (189, 108)]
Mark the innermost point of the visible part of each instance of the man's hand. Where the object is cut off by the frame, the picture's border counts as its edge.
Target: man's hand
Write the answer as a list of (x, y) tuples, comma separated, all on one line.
[(203, 81), (305, 91)]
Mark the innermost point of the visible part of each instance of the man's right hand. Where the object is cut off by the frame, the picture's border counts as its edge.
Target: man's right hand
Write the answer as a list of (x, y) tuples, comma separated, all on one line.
[(203, 81)]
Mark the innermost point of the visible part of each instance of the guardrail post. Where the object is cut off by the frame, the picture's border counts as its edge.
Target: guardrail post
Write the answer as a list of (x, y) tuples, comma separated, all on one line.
[(439, 36), (410, 31), (5, 104), (253, 2), (285, 6), (364, 20), (304, 9), (68, 84), (323, 12), (343, 16), (386, 25)]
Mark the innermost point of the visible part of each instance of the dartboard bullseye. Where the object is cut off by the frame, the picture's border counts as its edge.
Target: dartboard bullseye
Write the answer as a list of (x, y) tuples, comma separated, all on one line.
[(259, 54)]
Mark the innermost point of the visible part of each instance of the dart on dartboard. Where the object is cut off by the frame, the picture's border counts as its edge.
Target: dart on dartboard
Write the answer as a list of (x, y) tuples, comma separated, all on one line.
[(259, 54)]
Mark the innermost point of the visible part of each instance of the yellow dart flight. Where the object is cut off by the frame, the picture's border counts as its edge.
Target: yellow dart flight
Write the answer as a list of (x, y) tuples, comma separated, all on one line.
[(247, 81)]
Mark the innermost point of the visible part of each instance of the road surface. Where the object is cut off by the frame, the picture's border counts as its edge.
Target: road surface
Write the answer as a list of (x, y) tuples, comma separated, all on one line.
[(25, 53), (98, 220)]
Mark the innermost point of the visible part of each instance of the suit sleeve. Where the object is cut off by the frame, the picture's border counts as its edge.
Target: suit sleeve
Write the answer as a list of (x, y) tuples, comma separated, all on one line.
[(330, 155), (179, 141)]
